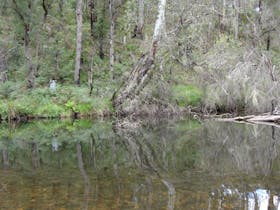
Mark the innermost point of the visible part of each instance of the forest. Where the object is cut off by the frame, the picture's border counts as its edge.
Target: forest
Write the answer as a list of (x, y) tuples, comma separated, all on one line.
[(75, 58)]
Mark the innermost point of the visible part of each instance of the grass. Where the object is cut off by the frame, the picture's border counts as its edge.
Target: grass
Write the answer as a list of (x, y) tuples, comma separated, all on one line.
[(185, 95)]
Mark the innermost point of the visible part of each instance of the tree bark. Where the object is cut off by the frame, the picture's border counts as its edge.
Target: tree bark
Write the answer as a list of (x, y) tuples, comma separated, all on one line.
[(236, 24), (158, 28), (138, 30), (101, 32), (93, 17), (28, 57), (79, 16), (112, 38), (45, 8), (126, 100), (223, 17), (140, 18), (56, 59)]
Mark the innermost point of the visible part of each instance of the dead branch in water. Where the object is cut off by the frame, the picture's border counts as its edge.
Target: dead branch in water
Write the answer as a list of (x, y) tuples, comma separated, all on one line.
[(265, 119)]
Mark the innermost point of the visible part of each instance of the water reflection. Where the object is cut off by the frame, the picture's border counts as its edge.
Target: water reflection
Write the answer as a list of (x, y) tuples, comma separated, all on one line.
[(157, 165), (256, 200)]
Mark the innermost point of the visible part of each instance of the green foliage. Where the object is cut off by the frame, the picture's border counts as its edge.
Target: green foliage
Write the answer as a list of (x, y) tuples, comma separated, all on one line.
[(42, 102), (6, 89), (186, 95), (199, 51)]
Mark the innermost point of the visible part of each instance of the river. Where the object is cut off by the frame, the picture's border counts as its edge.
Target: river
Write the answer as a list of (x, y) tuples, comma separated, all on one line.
[(164, 164)]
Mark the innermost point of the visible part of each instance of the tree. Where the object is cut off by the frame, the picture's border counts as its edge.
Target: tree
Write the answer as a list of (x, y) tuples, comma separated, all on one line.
[(112, 37), (126, 99), (100, 29), (24, 10), (236, 24), (79, 16), (138, 30), (93, 17)]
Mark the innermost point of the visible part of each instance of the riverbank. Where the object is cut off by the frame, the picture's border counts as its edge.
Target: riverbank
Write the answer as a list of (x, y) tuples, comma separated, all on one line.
[(19, 104), (63, 102), (67, 102)]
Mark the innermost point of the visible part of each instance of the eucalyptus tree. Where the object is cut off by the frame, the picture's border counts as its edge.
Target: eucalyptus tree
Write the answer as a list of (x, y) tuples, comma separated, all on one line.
[(79, 17), (126, 99), (26, 13)]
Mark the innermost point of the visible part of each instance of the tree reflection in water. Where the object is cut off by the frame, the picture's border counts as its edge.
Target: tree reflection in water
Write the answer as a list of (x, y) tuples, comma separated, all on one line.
[(146, 156), (152, 165)]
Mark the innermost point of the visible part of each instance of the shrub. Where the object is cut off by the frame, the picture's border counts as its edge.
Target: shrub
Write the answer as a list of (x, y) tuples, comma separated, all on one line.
[(237, 83)]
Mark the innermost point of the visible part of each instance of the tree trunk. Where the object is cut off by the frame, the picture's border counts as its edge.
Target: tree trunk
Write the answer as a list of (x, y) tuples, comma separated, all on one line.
[(28, 57), (3, 69), (56, 68), (158, 27), (260, 10), (93, 17), (268, 42), (45, 8), (112, 29), (236, 24), (79, 16), (126, 100), (138, 30), (140, 18), (90, 76), (101, 32), (27, 51), (223, 17)]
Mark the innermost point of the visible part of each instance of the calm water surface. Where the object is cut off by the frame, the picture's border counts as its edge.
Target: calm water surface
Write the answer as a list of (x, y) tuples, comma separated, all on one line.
[(160, 165)]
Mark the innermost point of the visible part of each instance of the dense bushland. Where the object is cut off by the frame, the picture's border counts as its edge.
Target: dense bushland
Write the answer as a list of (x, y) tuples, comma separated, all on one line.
[(221, 56)]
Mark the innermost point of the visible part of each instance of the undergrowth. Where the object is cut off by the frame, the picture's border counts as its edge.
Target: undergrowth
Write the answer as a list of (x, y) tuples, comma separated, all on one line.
[(62, 102)]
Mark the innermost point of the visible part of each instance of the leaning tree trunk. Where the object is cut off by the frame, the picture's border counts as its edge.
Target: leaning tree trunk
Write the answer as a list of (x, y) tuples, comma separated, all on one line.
[(79, 15), (126, 99)]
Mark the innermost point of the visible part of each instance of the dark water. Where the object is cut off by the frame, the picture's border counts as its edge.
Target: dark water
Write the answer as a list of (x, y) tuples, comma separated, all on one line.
[(159, 165)]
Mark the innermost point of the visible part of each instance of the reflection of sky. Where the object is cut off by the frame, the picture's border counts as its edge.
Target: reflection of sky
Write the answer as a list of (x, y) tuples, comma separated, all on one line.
[(262, 197), (256, 200), (276, 202)]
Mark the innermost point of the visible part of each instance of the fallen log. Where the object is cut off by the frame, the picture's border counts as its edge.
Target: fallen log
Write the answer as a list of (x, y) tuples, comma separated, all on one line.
[(267, 118)]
